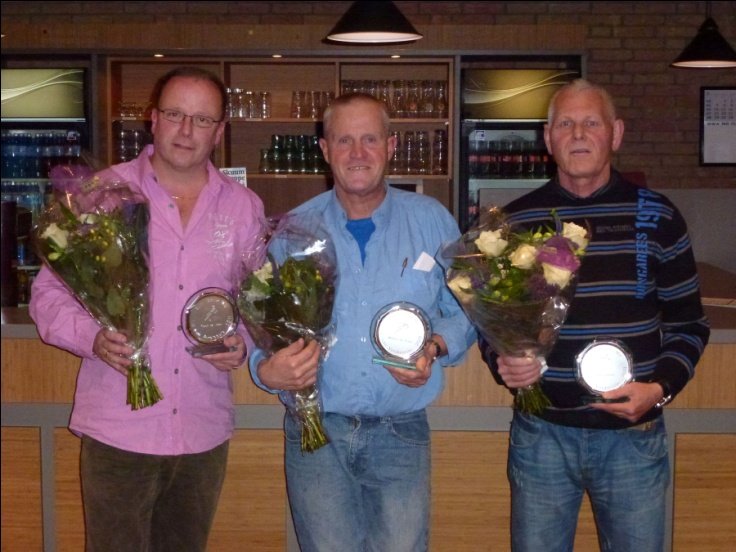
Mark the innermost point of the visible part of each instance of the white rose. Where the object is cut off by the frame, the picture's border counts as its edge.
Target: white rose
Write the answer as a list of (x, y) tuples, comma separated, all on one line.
[(460, 286), (555, 275), (87, 218), (575, 233), (523, 256), (56, 235), (490, 243)]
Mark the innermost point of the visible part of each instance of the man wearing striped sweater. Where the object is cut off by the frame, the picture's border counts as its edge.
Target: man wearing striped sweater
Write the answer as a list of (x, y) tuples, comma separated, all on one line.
[(637, 288)]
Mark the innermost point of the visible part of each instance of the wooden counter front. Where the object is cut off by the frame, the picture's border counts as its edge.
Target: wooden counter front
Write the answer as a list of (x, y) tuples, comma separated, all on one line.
[(41, 504)]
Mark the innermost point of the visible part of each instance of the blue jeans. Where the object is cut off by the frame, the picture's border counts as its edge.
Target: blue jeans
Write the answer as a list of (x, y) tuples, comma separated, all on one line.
[(368, 490), (625, 472)]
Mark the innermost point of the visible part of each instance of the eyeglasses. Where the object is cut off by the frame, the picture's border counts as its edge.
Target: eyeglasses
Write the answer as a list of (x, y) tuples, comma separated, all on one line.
[(201, 121)]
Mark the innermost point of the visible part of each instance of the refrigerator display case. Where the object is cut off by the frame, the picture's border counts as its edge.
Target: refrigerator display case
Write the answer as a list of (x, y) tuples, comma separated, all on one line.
[(503, 111), (44, 123)]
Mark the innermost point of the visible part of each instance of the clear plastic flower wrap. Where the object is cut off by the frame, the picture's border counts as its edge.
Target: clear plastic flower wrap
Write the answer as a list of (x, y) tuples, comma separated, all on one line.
[(287, 292), (516, 286), (94, 236)]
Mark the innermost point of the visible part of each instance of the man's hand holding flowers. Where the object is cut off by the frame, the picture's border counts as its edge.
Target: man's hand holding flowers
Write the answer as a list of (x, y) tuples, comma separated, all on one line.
[(292, 368), (516, 287)]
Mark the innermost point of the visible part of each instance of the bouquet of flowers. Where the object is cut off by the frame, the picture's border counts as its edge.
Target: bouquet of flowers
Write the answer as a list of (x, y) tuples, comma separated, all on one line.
[(94, 237), (516, 287), (287, 292)]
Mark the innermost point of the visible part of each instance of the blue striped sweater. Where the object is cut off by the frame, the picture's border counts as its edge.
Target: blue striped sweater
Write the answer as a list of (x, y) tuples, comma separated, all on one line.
[(637, 283)]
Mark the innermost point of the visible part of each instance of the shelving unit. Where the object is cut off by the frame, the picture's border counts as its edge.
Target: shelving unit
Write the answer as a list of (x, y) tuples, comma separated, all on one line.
[(131, 79)]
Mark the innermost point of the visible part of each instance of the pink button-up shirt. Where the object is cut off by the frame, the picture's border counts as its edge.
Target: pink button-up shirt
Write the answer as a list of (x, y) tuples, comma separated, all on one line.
[(196, 413)]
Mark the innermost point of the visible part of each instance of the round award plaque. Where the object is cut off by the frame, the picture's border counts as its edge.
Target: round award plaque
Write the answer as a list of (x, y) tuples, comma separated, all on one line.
[(209, 316), (399, 332), (604, 365)]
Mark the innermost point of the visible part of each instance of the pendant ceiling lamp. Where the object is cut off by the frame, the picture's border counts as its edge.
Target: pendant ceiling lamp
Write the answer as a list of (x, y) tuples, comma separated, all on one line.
[(373, 23), (708, 50)]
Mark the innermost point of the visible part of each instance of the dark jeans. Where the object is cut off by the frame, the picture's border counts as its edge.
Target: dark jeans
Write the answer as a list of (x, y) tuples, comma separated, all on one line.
[(148, 503)]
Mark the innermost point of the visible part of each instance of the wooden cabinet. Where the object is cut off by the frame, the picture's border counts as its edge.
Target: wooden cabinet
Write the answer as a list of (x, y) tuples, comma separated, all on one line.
[(131, 81)]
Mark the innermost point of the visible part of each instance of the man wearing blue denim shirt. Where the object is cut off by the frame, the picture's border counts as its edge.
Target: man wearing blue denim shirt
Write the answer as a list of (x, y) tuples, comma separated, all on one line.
[(369, 488)]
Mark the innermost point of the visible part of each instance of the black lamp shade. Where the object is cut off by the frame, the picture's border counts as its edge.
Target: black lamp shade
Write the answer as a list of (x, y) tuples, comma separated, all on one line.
[(707, 50), (373, 23)]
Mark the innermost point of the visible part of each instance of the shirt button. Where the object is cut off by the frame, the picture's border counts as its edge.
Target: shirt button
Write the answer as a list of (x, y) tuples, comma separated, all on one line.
[(181, 286), (178, 328), (364, 303), (363, 339), (176, 370), (174, 411), (181, 248)]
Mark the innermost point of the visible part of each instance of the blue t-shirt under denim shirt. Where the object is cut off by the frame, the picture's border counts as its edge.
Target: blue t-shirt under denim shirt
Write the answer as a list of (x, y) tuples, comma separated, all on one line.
[(361, 229), (399, 265)]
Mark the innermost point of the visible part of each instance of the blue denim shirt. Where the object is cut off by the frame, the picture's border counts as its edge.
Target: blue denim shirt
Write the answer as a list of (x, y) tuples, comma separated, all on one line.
[(408, 226)]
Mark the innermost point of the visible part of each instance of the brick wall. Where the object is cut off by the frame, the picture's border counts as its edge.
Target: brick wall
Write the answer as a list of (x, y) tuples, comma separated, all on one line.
[(628, 47)]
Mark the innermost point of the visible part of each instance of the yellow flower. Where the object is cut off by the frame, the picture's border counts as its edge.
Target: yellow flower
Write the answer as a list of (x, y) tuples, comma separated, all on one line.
[(523, 256), (555, 275), (575, 233), (490, 243), (460, 287), (56, 235)]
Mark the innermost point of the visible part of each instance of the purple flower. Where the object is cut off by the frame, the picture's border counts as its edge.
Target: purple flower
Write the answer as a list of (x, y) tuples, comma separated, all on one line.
[(558, 251)]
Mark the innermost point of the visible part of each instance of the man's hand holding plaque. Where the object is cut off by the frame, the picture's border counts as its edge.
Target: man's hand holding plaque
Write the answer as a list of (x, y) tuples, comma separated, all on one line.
[(604, 365), (400, 331)]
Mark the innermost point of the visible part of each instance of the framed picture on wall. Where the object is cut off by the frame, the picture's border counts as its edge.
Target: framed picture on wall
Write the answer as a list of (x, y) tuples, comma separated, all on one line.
[(717, 126)]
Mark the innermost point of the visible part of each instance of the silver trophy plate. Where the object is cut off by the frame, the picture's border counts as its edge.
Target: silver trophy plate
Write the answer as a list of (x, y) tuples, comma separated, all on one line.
[(604, 365), (209, 316), (399, 332)]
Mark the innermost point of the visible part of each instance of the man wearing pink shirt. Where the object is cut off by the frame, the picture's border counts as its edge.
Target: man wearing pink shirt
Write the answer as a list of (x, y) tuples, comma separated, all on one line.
[(151, 478)]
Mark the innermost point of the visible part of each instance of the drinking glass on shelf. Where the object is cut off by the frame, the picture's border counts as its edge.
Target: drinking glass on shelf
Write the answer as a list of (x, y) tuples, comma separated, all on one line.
[(410, 152), (383, 93), (426, 105), (439, 152), (413, 97), (327, 97), (297, 103), (396, 163), (399, 99), (314, 104), (422, 163), (440, 99), (265, 104)]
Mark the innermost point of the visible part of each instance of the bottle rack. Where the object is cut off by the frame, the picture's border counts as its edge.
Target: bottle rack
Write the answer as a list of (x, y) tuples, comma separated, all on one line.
[(249, 132)]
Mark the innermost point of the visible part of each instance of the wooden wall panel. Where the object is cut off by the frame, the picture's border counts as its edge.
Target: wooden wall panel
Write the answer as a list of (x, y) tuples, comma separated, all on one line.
[(68, 491), (22, 527), (705, 493), (36, 372), (713, 385), (252, 510), (471, 384)]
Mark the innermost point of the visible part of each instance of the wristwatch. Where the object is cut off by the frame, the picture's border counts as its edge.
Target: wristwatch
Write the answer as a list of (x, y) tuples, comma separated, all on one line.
[(666, 393), (437, 348)]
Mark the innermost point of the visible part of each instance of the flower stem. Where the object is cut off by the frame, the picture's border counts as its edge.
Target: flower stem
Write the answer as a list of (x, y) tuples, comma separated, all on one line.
[(142, 388), (531, 399)]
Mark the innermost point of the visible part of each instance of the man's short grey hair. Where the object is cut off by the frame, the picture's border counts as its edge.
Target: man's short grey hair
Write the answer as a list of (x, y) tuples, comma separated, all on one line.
[(582, 85), (347, 99)]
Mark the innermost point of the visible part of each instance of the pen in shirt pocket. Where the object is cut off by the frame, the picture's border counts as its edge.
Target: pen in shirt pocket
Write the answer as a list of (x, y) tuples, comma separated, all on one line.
[(403, 266)]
